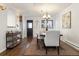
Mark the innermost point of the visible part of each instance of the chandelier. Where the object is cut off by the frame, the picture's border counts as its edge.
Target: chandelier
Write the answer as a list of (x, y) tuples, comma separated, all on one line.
[(46, 16)]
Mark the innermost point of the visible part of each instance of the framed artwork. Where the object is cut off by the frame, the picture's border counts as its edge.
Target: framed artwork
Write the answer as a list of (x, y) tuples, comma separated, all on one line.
[(66, 20)]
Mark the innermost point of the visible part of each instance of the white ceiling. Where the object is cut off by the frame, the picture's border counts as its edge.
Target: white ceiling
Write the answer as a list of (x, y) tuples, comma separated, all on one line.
[(37, 9)]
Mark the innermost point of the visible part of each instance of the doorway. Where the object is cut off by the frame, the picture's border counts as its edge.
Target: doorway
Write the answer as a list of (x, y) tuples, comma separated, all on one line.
[(29, 28)]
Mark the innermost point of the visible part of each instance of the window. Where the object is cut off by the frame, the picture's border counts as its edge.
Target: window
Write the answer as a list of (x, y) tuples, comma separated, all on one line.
[(29, 25), (50, 24)]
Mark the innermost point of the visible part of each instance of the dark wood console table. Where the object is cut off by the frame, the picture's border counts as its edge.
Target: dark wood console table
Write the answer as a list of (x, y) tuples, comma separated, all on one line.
[(13, 39)]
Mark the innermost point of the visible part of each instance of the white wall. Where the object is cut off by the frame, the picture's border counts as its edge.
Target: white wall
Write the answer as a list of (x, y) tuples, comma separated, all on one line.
[(3, 27), (70, 35), (24, 34), (11, 18), (56, 22)]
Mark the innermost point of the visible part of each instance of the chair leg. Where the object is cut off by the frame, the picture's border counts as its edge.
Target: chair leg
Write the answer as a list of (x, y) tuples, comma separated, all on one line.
[(46, 50), (38, 44), (45, 47), (58, 50)]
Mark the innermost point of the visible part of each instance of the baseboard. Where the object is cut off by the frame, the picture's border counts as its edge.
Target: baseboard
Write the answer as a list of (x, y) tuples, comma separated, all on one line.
[(75, 46), (2, 50)]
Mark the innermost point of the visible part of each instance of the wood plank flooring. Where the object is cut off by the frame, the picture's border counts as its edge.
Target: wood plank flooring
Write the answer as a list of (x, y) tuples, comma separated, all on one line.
[(29, 48)]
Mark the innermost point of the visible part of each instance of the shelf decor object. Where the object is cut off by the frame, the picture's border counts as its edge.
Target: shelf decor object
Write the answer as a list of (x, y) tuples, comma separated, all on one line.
[(13, 39)]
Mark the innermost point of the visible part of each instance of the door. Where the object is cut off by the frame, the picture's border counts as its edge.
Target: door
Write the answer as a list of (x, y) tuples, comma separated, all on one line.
[(29, 28)]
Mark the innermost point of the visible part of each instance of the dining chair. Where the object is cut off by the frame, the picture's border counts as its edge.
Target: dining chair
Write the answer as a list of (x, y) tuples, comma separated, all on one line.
[(52, 39)]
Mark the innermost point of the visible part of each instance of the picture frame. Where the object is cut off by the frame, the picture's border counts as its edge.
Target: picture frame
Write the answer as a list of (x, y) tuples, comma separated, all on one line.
[(66, 20)]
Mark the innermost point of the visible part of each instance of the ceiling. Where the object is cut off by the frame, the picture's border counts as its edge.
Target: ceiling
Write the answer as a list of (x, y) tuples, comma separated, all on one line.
[(37, 9)]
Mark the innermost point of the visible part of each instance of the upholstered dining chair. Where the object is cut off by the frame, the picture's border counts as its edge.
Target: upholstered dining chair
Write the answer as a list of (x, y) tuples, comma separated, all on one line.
[(52, 39)]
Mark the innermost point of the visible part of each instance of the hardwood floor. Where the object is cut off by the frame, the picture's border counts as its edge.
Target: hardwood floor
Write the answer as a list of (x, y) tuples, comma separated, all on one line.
[(29, 48)]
